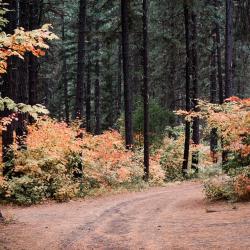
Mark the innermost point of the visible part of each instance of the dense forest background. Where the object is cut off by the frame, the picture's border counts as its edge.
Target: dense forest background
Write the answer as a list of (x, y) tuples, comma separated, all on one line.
[(95, 57)]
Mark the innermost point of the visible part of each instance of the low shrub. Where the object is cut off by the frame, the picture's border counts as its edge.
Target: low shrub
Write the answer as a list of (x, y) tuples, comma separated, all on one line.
[(38, 176), (172, 158), (59, 164), (242, 186), (220, 188), (235, 187)]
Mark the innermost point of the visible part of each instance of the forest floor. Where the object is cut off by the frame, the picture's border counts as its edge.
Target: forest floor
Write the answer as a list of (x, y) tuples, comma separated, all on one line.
[(173, 217)]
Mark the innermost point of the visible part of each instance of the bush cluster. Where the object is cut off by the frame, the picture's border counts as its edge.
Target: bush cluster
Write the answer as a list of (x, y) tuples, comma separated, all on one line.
[(233, 187), (63, 162)]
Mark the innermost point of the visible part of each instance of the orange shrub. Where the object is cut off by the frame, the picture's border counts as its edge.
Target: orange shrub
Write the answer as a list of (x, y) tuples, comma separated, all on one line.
[(104, 157), (232, 120), (242, 186), (59, 163)]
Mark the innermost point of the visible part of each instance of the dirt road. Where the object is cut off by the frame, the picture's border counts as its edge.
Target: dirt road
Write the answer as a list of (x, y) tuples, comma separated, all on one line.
[(175, 217)]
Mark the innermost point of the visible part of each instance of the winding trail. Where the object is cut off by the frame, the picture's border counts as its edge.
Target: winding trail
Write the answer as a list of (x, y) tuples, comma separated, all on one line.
[(174, 217)]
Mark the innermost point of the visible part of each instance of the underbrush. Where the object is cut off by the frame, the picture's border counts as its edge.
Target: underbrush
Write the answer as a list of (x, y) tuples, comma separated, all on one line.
[(171, 154), (63, 162), (230, 122), (234, 187)]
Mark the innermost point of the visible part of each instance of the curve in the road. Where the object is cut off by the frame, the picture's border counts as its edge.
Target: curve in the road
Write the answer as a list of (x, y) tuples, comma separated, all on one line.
[(174, 217)]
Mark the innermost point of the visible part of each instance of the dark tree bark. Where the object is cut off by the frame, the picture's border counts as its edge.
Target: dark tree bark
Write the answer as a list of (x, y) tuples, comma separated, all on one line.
[(196, 122), (34, 22), (126, 74), (145, 89), (79, 103), (228, 61), (171, 92), (97, 91), (64, 72), (119, 79), (213, 72), (88, 77), (108, 91), (22, 76), (188, 62), (213, 94), (88, 97), (229, 50), (219, 64), (9, 89), (28, 17)]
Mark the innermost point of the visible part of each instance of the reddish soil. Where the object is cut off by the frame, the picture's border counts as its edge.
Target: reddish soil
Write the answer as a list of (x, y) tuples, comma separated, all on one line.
[(174, 217)]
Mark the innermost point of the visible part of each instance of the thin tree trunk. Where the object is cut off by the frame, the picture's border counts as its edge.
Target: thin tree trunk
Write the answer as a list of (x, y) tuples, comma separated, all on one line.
[(119, 79), (229, 50), (97, 91), (213, 95), (88, 97), (33, 62), (188, 61), (213, 85), (126, 74), (79, 103), (9, 89), (196, 122), (219, 64), (145, 89), (228, 61), (22, 77), (64, 71)]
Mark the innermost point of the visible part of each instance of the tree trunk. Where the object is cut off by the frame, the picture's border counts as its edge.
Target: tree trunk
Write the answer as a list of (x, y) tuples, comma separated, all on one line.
[(196, 122), (88, 97), (145, 89), (229, 50), (219, 64), (213, 94), (9, 89), (33, 62), (22, 77), (108, 91), (228, 61), (127, 83), (64, 71), (188, 61), (97, 91), (119, 79), (79, 103)]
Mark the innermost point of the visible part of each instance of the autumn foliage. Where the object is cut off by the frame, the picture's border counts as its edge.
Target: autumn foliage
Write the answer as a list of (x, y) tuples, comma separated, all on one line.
[(22, 41), (63, 161), (232, 121)]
